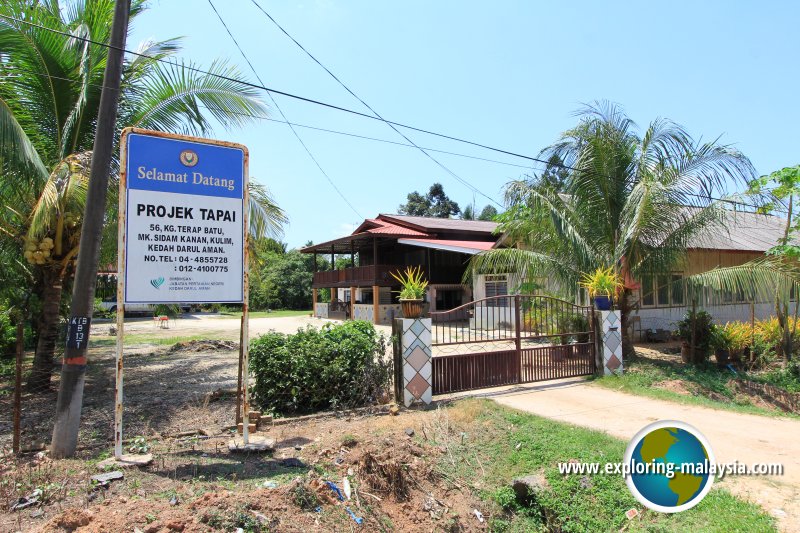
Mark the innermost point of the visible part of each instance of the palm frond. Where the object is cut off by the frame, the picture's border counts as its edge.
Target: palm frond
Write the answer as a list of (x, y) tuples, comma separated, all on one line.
[(172, 97), (267, 219), (756, 280), (527, 263)]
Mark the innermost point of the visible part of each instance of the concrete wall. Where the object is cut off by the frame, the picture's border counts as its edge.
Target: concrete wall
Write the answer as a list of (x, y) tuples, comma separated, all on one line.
[(667, 317), (486, 317), (321, 310)]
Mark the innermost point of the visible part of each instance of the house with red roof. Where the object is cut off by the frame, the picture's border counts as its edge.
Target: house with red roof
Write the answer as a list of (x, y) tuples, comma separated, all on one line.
[(385, 244), (443, 248)]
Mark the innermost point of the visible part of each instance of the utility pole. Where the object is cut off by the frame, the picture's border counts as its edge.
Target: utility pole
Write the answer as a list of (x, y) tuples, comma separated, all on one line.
[(73, 371)]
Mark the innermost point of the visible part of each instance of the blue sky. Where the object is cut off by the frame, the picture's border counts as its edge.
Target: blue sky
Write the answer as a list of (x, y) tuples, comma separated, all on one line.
[(507, 74)]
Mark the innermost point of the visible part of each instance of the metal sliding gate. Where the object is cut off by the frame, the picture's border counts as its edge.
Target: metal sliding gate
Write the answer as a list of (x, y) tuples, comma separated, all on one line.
[(506, 340)]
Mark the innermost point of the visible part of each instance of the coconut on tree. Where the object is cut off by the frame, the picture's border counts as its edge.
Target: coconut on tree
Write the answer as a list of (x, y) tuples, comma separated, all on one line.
[(629, 201), (50, 86)]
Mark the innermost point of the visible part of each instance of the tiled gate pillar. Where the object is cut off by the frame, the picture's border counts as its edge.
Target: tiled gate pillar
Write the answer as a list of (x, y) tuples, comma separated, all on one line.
[(413, 372), (609, 353)]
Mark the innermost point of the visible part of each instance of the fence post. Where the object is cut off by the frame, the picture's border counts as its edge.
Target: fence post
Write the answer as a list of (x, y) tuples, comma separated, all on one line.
[(18, 383), (413, 360), (518, 337), (610, 345)]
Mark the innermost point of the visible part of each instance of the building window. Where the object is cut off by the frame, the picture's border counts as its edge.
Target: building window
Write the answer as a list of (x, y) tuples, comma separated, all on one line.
[(386, 296), (496, 285), (648, 298), (678, 290), (665, 290), (447, 299)]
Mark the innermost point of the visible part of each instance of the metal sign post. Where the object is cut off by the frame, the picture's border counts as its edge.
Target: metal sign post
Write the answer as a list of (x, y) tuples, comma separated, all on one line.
[(182, 237)]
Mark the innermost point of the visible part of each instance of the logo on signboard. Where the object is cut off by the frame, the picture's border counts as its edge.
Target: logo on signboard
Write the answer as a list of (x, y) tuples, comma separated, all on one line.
[(157, 283), (189, 158)]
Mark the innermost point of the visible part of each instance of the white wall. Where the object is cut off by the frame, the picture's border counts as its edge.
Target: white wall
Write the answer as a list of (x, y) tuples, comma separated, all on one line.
[(486, 317), (667, 317)]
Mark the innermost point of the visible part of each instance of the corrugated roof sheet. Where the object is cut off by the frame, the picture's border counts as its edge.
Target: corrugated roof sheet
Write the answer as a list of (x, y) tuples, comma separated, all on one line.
[(431, 224), (744, 231), (466, 247)]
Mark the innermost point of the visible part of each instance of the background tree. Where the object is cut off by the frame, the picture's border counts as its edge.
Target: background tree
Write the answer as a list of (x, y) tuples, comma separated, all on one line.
[(49, 98), (283, 281), (628, 201), (434, 204), (468, 213), (488, 213)]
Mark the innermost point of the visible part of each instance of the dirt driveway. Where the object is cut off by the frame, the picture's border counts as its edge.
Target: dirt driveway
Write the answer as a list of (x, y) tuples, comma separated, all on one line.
[(213, 326), (733, 436)]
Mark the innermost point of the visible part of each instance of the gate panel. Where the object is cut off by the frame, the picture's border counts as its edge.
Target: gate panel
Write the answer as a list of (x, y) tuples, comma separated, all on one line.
[(504, 340), (455, 373)]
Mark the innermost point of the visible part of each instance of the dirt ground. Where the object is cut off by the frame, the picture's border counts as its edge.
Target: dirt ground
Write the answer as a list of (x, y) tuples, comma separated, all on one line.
[(196, 484), (165, 390), (215, 326)]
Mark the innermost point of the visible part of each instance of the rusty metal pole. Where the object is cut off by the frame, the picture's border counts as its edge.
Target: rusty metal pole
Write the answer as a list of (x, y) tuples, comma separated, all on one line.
[(239, 374), (18, 383), (245, 331), (120, 356), (518, 338)]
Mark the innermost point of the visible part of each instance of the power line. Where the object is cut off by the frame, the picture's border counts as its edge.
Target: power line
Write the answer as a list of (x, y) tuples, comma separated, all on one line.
[(365, 104), (291, 127), (320, 103), (783, 210), (275, 91), (317, 128)]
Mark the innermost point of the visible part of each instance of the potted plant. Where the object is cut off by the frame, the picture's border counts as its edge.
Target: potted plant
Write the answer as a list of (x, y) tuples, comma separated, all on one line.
[(603, 284), (412, 290), (721, 342), (695, 333)]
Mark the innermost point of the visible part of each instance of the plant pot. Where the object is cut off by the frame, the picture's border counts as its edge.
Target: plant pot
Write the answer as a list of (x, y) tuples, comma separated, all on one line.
[(411, 308), (723, 356), (602, 303), (686, 352)]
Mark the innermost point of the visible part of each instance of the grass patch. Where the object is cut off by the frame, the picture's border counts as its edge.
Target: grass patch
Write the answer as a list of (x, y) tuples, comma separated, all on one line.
[(706, 386), (143, 338), (265, 314), (503, 443)]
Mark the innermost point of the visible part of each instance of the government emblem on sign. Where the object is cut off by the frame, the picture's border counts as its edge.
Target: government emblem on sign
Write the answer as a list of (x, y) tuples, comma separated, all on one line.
[(188, 158)]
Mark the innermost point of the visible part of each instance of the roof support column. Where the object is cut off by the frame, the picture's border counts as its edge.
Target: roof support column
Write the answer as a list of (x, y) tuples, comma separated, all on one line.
[(375, 260), (376, 296), (314, 302), (352, 302)]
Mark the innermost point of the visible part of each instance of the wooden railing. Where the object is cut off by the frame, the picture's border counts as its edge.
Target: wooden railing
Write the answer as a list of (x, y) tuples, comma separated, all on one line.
[(361, 274)]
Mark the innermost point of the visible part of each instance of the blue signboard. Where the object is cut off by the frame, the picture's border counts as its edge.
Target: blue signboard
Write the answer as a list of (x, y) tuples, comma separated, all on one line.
[(183, 202)]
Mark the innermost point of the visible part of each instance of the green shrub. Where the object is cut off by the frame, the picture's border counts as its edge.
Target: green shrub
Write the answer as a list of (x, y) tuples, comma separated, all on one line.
[(8, 335), (337, 366)]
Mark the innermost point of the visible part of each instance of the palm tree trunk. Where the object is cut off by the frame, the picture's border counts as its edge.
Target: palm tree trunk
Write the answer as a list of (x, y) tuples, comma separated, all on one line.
[(49, 321), (625, 309)]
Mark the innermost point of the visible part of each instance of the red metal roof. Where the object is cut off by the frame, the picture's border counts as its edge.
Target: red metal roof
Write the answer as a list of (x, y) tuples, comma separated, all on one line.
[(382, 227), (467, 247)]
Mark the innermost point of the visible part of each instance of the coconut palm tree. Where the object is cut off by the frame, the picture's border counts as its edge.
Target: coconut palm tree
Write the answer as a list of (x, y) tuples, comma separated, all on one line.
[(51, 76), (627, 201)]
